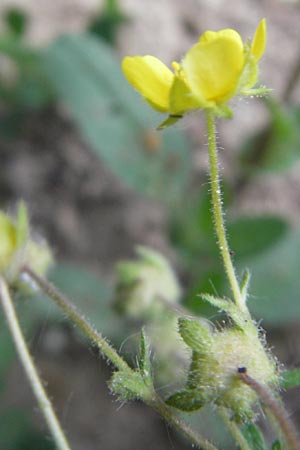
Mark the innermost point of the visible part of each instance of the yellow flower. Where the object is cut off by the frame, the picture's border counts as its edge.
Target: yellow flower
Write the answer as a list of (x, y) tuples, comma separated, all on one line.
[(215, 69)]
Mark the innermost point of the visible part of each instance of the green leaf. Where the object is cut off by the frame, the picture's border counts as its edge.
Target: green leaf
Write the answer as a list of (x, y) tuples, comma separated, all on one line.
[(186, 400), (254, 437), (116, 123), (277, 445), (252, 235), (290, 379), (275, 285)]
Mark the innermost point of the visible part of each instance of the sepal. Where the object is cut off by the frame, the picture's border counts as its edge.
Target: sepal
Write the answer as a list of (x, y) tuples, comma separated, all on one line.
[(196, 335), (186, 400), (144, 359), (170, 120), (129, 386)]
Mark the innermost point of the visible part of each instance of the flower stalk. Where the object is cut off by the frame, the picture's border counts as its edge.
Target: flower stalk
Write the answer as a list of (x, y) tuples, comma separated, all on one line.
[(31, 372), (234, 430), (276, 408), (218, 214)]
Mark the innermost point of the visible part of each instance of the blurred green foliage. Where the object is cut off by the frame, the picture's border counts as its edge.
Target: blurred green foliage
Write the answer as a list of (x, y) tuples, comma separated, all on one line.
[(276, 147), (106, 24), (17, 432)]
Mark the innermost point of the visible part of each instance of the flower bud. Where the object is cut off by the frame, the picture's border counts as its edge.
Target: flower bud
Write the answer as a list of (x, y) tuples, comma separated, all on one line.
[(18, 248), (145, 285), (214, 368)]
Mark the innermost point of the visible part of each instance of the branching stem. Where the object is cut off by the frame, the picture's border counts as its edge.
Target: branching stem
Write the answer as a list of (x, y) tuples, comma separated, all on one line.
[(111, 354)]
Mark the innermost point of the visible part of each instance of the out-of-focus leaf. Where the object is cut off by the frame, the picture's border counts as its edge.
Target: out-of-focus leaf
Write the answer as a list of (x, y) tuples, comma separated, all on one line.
[(277, 445), (107, 23), (276, 147), (16, 20), (17, 433), (252, 235), (14, 48), (290, 379), (30, 89), (117, 124), (254, 437), (275, 282)]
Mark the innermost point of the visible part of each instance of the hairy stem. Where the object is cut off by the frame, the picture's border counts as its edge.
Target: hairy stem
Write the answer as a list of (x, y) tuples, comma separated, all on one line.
[(234, 430), (173, 419), (76, 317), (276, 408), (30, 370), (218, 214)]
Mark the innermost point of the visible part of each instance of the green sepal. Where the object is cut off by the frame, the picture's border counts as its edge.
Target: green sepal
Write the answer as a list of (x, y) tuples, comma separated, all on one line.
[(254, 437), (230, 308), (277, 445), (223, 111), (144, 359), (186, 400), (169, 122), (258, 91), (220, 303), (194, 371), (290, 379), (22, 226), (129, 386), (245, 284), (196, 335)]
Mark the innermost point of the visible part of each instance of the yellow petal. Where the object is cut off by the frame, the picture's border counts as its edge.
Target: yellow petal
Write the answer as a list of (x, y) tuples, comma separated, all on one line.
[(151, 78), (259, 41), (213, 66)]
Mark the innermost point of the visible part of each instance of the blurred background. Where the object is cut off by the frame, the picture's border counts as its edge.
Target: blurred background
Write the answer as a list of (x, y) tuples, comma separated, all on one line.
[(80, 147)]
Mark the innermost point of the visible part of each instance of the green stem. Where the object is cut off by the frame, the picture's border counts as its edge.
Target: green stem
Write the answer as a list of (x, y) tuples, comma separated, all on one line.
[(234, 430), (74, 315), (173, 419), (31, 372), (218, 214)]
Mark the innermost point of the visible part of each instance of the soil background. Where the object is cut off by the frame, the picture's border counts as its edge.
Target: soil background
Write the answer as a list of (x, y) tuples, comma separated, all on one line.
[(91, 219)]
